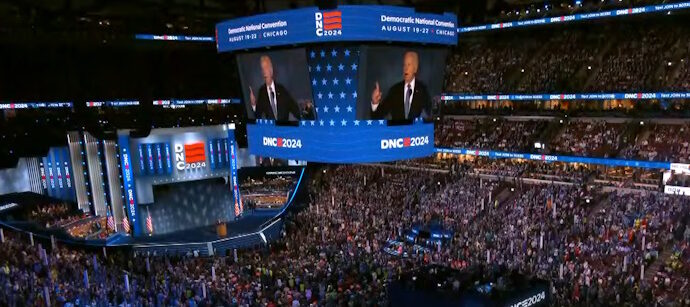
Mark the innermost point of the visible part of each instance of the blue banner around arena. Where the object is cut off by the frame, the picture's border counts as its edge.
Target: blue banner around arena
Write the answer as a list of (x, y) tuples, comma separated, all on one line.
[(342, 141), (35, 105), (583, 96), (554, 158), (180, 38), (585, 16), (345, 23)]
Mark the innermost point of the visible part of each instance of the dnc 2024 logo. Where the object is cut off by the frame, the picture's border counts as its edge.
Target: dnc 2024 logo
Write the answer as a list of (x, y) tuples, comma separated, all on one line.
[(404, 142), (190, 156), (282, 142), (329, 23)]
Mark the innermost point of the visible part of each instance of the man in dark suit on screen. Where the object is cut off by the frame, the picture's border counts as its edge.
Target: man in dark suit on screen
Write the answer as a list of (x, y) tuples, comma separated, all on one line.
[(274, 101), (407, 99)]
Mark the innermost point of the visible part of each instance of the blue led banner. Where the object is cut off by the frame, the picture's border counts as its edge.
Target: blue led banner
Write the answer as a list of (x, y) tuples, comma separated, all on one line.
[(576, 17), (55, 173), (179, 38), (554, 158), (584, 96), (342, 141), (211, 156), (234, 183), (34, 105), (114, 103), (345, 23), (128, 182), (184, 102)]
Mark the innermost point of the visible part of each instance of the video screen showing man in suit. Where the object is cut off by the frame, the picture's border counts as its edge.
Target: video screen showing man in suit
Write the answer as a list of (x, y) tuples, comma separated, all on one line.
[(389, 97), (276, 85), (406, 99), (274, 101)]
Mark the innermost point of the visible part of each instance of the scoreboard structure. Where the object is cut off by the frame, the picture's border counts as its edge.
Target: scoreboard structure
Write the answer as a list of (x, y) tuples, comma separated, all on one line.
[(353, 84)]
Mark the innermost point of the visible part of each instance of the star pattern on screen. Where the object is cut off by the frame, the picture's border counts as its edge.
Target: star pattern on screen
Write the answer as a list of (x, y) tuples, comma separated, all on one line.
[(333, 73)]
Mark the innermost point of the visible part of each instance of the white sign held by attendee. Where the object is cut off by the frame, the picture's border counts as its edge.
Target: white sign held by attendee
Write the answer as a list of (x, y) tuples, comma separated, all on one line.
[(126, 283), (42, 254), (46, 295), (541, 241), (642, 272), (203, 288), (234, 254), (213, 273), (31, 237), (625, 263), (644, 239)]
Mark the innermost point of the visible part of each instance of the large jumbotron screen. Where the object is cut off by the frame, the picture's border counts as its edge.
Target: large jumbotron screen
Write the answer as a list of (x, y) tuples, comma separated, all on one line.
[(348, 95)]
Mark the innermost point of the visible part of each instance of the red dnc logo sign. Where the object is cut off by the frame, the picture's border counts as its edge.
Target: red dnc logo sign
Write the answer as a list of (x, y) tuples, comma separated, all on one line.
[(329, 23), (282, 142), (404, 142), (190, 156)]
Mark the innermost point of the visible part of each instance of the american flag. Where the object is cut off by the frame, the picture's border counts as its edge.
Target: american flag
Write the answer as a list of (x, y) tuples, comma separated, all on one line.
[(125, 224), (111, 221), (149, 223)]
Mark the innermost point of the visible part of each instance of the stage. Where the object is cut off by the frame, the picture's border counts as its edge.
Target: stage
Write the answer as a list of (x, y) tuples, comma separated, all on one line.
[(249, 223)]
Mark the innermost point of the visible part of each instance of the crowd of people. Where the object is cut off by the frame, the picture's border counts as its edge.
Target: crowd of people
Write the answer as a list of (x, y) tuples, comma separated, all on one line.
[(590, 246), (488, 133), (90, 228), (53, 215), (669, 143), (266, 192), (573, 60), (597, 138), (666, 142)]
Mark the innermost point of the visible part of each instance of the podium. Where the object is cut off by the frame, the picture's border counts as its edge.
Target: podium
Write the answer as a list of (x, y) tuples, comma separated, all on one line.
[(222, 229)]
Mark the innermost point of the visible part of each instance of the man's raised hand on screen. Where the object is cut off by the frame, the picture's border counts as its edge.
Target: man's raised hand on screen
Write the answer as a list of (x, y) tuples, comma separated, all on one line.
[(252, 98), (376, 94)]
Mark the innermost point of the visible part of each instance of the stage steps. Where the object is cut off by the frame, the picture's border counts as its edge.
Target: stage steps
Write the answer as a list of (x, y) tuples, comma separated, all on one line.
[(221, 247)]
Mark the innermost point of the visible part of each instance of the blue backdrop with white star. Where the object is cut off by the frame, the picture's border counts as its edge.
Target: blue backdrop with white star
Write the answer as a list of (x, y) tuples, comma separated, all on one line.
[(333, 73)]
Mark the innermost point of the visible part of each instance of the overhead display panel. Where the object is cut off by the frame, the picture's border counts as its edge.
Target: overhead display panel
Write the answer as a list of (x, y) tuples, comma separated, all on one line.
[(343, 141), (345, 23)]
